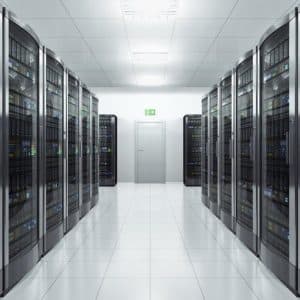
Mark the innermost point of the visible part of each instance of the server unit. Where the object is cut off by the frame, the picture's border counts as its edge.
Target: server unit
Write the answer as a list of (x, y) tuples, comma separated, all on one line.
[(72, 151), (95, 150), (54, 101), (108, 150), (204, 151), (21, 140), (192, 150), (86, 170), (213, 144), (246, 154), (226, 151), (278, 148)]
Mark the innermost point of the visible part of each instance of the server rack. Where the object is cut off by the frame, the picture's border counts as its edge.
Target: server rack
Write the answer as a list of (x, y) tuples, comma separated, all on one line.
[(278, 161), (204, 152), (86, 173), (22, 137), (54, 132), (108, 150), (72, 151), (246, 155), (226, 151), (192, 150), (95, 150), (213, 150)]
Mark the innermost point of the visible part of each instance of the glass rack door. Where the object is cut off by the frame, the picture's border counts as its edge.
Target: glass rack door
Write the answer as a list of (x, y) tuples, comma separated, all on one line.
[(275, 168), (22, 141), (86, 139), (73, 145), (95, 137), (204, 153), (226, 145), (54, 143), (213, 182), (245, 149)]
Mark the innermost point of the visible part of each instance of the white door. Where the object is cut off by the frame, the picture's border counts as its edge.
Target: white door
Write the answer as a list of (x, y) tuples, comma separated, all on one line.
[(150, 152)]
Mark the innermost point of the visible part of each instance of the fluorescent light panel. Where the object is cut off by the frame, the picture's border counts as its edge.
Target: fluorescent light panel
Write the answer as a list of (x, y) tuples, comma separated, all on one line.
[(149, 8)]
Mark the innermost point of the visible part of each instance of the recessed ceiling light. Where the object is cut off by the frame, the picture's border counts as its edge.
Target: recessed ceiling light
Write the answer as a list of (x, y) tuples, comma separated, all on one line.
[(149, 8)]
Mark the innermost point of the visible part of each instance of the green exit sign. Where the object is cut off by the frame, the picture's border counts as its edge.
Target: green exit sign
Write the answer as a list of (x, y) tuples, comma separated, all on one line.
[(150, 112)]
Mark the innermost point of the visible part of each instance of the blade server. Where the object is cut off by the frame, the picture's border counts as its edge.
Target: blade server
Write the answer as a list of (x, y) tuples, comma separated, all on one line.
[(246, 155), (192, 150), (86, 174), (213, 142), (20, 133), (204, 152), (108, 150), (278, 125), (72, 192), (54, 146), (95, 150), (226, 151)]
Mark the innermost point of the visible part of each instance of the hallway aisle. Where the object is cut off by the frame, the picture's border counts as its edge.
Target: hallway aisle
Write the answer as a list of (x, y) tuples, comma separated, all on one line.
[(154, 242)]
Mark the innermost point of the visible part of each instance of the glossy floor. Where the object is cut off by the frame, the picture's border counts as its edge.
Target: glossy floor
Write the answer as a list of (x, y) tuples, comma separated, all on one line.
[(150, 242)]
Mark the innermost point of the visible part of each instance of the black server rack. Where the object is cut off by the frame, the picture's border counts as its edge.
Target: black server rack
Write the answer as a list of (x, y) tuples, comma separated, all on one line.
[(213, 142), (192, 150), (108, 150), (226, 152), (246, 141), (95, 151), (21, 136), (54, 149), (86, 151), (73, 152), (278, 176), (204, 151)]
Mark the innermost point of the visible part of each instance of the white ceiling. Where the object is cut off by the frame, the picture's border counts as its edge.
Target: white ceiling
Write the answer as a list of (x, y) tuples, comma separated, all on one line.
[(192, 46)]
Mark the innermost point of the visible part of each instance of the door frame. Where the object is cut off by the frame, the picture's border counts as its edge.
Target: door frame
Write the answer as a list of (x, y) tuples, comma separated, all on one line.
[(163, 123)]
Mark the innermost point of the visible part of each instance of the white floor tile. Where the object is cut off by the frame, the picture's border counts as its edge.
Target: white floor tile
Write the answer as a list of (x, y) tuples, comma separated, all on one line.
[(175, 289), (124, 288), (75, 289), (130, 268)]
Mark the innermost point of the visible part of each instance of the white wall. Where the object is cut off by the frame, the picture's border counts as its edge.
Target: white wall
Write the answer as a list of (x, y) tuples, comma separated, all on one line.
[(129, 106)]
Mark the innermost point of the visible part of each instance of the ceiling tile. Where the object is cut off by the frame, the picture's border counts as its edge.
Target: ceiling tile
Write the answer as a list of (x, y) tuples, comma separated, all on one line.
[(204, 8), (108, 45), (149, 45), (179, 78), (246, 27), (53, 28), (185, 45), (153, 28), (234, 45), (94, 8), (261, 9), (198, 27), (114, 61), (66, 44), (121, 79), (94, 78), (37, 8), (101, 28)]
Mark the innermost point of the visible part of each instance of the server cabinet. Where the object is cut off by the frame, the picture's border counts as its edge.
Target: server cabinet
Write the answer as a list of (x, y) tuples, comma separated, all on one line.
[(95, 150), (86, 151), (192, 150), (21, 197), (204, 152), (278, 193), (72, 152), (108, 150), (226, 151), (246, 155), (54, 101), (213, 140)]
